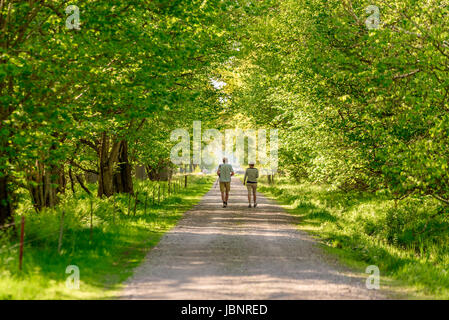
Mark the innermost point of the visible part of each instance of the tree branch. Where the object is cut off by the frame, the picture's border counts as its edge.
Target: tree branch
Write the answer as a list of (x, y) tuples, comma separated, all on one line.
[(90, 144), (446, 201), (406, 75), (84, 169), (80, 181)]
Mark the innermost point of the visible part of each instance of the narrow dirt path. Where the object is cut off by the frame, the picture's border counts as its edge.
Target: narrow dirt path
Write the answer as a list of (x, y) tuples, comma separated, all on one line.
[(241, 253)]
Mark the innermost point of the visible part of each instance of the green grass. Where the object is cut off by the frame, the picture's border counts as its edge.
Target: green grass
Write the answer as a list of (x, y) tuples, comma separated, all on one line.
[(408, 242), (119, 242)]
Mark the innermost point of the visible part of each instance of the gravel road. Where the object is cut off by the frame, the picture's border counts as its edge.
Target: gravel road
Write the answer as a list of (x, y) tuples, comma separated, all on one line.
[(241, 253)]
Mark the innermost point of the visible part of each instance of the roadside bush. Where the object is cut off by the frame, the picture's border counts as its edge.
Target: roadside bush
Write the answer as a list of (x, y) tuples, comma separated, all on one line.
[(416, 224)]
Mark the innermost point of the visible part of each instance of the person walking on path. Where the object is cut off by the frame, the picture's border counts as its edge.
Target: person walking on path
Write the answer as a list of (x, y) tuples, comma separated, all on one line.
[(225, 172), (251, 174)]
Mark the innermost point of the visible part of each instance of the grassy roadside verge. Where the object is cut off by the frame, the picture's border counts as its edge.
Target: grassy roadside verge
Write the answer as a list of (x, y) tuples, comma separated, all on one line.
[(119, 242), (408, 243)]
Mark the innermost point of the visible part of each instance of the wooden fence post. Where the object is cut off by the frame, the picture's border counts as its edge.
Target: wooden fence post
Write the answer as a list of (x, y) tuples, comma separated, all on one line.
[(22, 233), (129, 202), (159, 195), (154, 190), (135, 203), (114, 211), (61, 230), (146, 198), (91, 219)]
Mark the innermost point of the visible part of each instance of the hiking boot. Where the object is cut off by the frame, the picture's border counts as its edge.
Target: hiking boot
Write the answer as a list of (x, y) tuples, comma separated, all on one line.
[(255, 204), (249, 206), (224, 204)]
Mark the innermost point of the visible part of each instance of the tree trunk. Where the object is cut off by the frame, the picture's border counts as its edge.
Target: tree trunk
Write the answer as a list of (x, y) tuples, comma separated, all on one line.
[(108, 157), (91, 177), (162, 173), (44, 185), (72, 183), (140, 173), (62, 181), (123, 182), (152, 173), (5, 200)]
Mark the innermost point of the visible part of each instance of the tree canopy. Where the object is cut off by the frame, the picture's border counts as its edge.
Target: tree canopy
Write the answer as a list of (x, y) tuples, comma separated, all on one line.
[(357, 89)]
